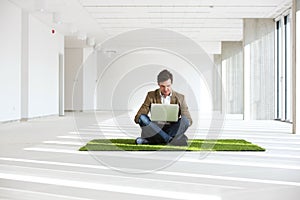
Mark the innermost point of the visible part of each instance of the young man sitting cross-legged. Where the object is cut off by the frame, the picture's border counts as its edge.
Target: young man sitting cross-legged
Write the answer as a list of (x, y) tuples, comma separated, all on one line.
[(172, 133)]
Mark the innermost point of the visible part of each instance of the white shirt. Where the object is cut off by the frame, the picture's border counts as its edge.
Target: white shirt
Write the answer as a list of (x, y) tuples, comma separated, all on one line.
[(166, 100)]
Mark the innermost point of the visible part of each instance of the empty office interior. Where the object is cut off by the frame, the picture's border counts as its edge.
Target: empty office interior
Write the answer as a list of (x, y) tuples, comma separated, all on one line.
[(248, 76), (67, 66)]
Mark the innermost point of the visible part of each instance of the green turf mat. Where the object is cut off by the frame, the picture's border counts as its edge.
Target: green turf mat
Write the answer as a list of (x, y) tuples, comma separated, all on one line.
[(194, 145)]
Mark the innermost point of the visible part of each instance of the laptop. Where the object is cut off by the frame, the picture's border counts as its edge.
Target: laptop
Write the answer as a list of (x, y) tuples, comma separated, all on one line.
[(164, 112)]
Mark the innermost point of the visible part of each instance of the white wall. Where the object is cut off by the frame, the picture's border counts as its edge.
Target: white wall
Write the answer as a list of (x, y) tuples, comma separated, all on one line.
[(92, 82), (296, 120), (218, 87), (232, 70), (90, 78), (29, 65), (10, 61), (44, 49), (96, 81), (259, 68), (124, 83), (80, 78), (73, 62)]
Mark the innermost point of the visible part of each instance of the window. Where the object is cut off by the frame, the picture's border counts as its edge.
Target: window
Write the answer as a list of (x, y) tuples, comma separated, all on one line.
[(283, 70)]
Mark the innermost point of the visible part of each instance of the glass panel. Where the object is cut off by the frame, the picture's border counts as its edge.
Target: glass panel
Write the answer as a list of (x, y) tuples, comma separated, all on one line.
[(279, 69), (288, 77), (283, 69)]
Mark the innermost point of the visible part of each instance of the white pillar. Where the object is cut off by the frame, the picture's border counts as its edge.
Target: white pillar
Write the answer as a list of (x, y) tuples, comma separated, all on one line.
[(259, 69), (296, 64), (224, 75), (247, 87), (24, 66), (61, 85)]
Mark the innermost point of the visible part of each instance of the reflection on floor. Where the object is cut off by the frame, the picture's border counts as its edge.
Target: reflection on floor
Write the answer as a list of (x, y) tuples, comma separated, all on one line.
[(39, 159)]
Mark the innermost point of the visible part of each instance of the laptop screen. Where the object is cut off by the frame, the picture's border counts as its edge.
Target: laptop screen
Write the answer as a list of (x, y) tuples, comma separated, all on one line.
[(164, 112)]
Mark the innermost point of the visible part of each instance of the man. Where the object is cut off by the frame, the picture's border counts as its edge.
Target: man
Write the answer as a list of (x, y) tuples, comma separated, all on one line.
[(163, 132)]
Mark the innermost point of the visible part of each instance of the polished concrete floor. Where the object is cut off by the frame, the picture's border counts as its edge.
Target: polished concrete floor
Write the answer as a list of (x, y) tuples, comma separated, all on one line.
[(39, 159)]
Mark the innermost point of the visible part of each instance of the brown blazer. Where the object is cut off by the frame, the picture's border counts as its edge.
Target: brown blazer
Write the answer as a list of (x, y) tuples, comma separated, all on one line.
[(154, 97)]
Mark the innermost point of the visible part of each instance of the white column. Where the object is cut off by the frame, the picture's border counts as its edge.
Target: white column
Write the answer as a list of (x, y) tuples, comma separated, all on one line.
[(73, 77), (61, 85), (259, 69), (224, 75), (89, 78), (296, 64), (247, 88), (24, 66), (217, 82)]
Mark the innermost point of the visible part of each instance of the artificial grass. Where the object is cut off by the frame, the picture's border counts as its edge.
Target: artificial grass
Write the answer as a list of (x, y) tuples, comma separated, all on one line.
[(193, 145)]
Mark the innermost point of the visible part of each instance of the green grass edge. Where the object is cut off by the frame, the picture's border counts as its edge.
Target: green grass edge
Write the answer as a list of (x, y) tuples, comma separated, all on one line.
[(129, 145)]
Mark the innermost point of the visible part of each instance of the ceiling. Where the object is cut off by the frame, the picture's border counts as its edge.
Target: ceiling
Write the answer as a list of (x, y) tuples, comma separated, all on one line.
[(208, 22)]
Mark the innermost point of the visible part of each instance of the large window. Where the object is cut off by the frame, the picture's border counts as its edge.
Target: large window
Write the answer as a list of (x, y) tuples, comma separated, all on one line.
[(283, 77)]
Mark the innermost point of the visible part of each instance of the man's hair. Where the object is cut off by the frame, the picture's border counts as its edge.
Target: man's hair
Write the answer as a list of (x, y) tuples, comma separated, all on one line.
[(164, 75)]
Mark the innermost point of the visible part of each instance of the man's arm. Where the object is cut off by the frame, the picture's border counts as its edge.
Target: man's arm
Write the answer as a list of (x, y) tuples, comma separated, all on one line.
[(144, 109), (185, 110)]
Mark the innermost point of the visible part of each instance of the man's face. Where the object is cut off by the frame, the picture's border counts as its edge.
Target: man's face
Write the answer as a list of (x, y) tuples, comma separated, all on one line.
[(165, 87)]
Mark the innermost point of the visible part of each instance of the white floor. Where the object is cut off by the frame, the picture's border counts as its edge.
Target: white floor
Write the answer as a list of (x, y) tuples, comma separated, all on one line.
[(39, 159)]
